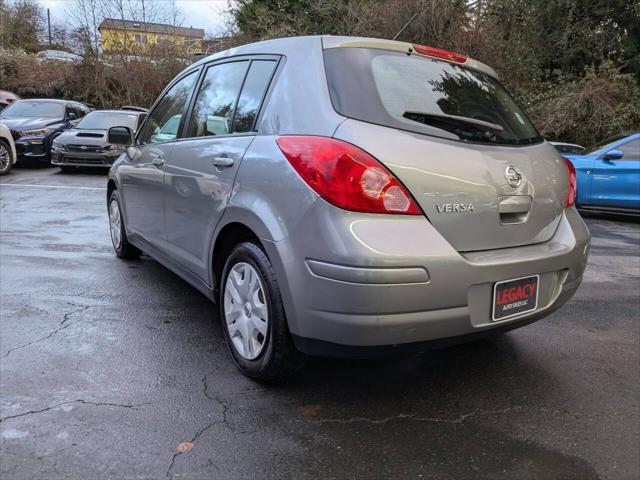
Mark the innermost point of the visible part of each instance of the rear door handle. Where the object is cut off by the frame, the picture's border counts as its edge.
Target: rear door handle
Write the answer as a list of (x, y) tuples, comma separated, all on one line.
[(222, 162)]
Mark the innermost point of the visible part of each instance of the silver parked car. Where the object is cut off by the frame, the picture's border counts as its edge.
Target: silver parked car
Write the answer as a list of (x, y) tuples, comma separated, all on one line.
[(349, 197), (86, 145)]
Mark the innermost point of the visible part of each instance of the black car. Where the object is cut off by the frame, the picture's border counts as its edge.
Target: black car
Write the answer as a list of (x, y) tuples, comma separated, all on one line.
[(86, 144), (35, 123)]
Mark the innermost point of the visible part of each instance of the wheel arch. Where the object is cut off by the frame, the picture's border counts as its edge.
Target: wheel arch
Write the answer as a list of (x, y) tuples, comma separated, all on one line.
[(111, 186), (229, 235)]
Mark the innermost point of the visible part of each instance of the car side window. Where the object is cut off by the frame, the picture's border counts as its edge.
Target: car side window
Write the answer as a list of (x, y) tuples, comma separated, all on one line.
[(631, 150), (253, 90), (73, 109), (79, 110), (216, 100), (164, 121)]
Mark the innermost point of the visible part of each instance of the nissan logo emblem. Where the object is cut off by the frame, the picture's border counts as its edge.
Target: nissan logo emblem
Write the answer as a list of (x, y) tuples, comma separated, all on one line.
[(513, 176)]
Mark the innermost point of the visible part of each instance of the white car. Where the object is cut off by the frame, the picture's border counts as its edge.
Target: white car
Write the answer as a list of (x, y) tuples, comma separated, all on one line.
[(569, 148), (59, 56), (7, 150)]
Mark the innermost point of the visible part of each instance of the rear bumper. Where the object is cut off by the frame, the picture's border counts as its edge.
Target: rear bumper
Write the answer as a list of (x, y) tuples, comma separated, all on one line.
[(391, 285)]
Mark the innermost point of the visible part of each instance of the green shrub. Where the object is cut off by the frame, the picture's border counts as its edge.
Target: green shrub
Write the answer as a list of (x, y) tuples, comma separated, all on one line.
[(585, 110)]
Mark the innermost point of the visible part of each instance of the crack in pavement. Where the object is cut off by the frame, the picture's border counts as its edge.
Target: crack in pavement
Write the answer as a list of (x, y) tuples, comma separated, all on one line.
[(193, 439), (84, 402), (68, 315), (411, 416), (223, 422), (215, 398), (41, 339)]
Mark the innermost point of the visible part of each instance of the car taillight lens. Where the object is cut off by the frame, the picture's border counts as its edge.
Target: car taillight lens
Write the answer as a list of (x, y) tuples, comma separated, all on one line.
[(571, 194), (346, 176), (440, 53)]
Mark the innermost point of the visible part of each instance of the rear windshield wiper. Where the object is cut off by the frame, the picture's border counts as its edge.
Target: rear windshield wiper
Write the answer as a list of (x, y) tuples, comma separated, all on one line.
[(424, 117)]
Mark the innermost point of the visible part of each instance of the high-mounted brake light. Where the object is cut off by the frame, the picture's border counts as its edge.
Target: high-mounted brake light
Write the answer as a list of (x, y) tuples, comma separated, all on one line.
[(346, 176), (440, 53), (571, 194)]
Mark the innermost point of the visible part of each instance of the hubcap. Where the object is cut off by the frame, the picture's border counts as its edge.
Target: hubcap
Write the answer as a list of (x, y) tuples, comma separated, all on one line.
[(115, 223), (245, 310), (4, 158)]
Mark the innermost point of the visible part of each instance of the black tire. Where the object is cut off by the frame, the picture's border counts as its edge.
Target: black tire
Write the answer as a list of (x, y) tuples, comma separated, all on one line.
[(279, 358), (5, 149), (124, 249)]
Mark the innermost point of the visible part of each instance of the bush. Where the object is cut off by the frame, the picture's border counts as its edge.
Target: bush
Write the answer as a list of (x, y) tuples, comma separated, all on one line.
[(111, 84), (585, 110)]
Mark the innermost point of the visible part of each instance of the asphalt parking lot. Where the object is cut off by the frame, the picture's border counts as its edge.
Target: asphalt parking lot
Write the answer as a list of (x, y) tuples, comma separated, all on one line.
[(108, 367)]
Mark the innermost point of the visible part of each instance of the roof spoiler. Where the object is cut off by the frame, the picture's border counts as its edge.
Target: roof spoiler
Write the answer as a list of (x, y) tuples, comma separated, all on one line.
[(408, 48)]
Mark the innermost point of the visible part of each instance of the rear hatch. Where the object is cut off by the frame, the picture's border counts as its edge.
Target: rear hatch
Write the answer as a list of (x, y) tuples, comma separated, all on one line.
[(468, 154)]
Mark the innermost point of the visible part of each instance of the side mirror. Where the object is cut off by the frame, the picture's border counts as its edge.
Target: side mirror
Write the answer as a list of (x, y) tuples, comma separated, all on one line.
[(614, 154), (71, 116), (120, 136)]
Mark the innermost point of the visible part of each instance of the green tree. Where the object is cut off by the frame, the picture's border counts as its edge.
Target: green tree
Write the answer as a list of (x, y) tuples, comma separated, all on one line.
[(20, 24)]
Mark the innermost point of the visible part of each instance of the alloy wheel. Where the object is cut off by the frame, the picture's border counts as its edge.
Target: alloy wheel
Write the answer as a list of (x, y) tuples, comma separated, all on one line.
[(5, 158)]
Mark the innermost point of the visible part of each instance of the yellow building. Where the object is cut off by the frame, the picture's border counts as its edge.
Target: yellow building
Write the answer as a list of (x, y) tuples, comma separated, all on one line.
[(139, 38)]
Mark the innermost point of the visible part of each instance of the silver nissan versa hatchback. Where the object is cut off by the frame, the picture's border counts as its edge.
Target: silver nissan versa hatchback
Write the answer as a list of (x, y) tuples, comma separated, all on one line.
[(349, 197)]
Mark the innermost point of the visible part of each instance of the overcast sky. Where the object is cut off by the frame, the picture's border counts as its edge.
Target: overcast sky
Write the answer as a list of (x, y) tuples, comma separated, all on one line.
[(207, 14)]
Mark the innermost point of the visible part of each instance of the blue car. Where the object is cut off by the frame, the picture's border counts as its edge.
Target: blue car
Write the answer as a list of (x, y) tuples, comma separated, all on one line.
[(608, 175)]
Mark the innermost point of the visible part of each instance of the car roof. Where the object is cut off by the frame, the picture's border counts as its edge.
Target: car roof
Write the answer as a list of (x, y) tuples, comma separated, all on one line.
[(566, 144), (50, 100), (54, 100), (281, 45)]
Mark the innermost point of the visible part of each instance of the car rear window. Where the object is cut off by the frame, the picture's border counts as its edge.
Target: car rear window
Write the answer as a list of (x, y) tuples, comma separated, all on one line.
[(418, 94)]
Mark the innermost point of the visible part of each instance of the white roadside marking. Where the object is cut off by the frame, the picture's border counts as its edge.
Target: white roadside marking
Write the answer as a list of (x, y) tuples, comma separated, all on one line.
[(50, 186)]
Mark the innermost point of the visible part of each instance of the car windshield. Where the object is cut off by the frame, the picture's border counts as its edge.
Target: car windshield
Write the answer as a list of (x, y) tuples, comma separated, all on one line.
[(604, 143), (34, 109), (415, 93), (106, 120)]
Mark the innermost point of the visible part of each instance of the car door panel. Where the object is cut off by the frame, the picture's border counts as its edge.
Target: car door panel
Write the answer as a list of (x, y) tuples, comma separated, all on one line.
[(142, 180), (142, 174), (198, 187), (616, 183), (201, 170)]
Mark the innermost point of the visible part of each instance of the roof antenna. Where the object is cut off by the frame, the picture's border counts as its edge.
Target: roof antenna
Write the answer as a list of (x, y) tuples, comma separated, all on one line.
[(405, 26)]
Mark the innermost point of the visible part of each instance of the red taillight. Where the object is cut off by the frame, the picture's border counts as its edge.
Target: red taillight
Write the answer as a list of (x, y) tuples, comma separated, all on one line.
[(346, 176), (439, 53), (571, 194)]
